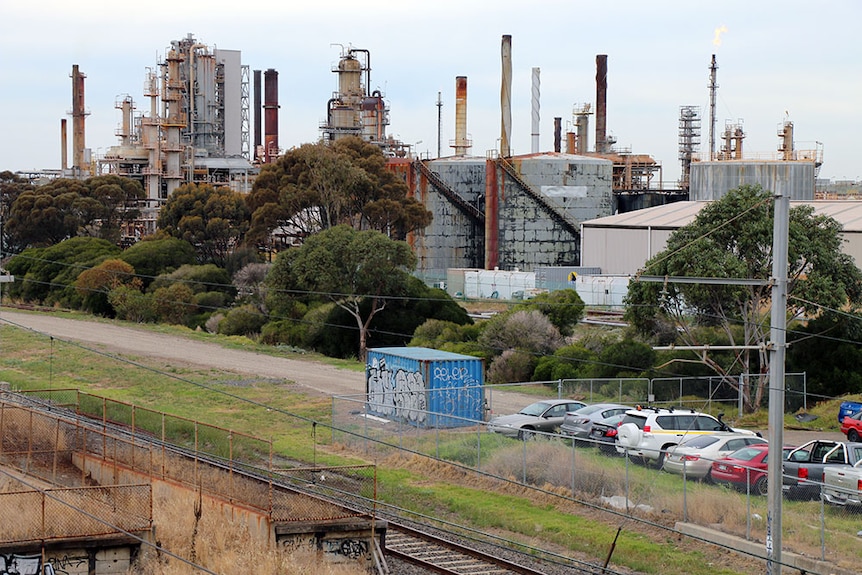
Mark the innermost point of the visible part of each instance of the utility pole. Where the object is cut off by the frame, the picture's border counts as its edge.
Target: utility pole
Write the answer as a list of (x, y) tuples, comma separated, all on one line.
[(778, 335), (777, 348)]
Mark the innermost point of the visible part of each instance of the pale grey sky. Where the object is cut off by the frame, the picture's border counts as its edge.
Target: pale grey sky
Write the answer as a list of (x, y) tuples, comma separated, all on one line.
[(793, 59)]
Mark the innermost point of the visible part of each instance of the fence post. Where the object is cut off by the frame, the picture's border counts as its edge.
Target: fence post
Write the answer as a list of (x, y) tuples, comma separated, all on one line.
[(739, 400)]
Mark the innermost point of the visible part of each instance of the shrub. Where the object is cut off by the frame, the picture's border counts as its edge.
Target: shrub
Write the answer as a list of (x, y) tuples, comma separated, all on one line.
[(285, 331), (511, 366), (243, 320), (529, 331)]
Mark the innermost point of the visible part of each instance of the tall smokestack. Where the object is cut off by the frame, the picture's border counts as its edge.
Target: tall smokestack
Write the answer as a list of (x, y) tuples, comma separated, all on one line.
[(78, 115), (713, 68), (64, 149), (601, 102), (258, 111), (558, 128), (535, 100), (461, 143), (506, 97), (270, 110)]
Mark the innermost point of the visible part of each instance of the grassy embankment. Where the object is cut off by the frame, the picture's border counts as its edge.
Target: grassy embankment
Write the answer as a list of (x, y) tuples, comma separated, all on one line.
[(30, 361)]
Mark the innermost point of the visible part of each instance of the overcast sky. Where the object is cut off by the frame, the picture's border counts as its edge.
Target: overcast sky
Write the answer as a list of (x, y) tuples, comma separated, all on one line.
[(793, 60)]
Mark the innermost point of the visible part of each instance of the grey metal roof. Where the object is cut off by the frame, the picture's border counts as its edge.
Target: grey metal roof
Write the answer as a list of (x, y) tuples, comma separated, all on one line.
[(848, 213)]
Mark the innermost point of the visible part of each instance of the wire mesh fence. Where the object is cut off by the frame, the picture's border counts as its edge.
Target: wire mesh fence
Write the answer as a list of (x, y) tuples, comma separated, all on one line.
[(595, 473), (56, 513)]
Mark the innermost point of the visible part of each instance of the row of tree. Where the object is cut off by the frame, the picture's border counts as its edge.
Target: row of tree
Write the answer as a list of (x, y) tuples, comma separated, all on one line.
[(349, 284)]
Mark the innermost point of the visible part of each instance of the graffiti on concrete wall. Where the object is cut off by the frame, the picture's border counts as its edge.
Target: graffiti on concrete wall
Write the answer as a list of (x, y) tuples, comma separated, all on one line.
[(16, 564), (399, 394), (348, 548)]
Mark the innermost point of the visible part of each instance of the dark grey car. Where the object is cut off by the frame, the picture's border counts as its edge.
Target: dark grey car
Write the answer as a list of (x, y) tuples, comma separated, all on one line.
[(579, 424)]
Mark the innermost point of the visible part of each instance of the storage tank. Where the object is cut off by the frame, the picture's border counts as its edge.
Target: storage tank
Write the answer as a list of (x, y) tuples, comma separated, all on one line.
[(425, 387)]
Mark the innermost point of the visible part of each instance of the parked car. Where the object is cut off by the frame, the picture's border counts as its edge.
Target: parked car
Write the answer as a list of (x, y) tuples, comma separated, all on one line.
[(804, 466), (746, 468), (545, 415), (842, 485), (694, 456), (848, 408), (647, 433), (579, 423), (851, 426), (604, 433)]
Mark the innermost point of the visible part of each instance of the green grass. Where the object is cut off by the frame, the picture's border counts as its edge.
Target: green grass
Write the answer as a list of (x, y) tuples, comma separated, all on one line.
[(277, 411)]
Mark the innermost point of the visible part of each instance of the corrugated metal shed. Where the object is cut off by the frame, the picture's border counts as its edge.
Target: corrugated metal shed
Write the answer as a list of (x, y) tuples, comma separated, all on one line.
[(622, 243)]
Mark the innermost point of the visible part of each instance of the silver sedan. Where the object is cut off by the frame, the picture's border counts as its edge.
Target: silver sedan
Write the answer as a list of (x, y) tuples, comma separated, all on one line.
[(545, 416)]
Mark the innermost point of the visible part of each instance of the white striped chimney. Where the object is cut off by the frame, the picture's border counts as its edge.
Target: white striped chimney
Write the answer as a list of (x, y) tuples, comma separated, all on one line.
[(535, 132)]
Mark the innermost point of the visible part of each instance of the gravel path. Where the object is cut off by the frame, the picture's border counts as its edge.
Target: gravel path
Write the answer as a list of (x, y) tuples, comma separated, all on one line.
[(316, 377)]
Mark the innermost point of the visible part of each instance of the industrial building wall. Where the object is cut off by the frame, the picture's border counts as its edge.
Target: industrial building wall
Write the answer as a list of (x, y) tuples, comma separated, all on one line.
[(231, 59), (581, 186), (712, 180), (621, 251), (453, 240)]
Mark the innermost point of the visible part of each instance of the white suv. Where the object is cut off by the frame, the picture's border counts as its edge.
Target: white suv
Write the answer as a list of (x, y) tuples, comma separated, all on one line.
[(648, 432)]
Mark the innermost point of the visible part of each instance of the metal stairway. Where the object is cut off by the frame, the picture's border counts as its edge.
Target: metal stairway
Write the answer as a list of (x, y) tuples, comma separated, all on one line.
[(550, 208), (467, 208)]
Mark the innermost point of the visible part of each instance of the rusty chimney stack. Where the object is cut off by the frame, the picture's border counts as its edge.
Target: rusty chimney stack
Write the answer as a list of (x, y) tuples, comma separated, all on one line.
[(558, 128), (461, 142), (506, 98), (601, 102), (270, 111), (64, 149), (78, 115), (258, 119)]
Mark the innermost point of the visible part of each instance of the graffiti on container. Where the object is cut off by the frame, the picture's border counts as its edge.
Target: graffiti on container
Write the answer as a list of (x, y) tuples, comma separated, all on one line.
[(350, 548), (462, 393), (399, 394)]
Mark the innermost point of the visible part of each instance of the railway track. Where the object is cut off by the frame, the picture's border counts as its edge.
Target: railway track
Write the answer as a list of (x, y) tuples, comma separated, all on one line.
[(408, 540), (440, 556)]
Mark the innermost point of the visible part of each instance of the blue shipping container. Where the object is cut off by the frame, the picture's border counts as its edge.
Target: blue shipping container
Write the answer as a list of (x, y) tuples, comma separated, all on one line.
[(425, 387)]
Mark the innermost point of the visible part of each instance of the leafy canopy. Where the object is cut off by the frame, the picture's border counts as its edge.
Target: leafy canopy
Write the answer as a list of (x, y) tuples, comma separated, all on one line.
[(732, 238)]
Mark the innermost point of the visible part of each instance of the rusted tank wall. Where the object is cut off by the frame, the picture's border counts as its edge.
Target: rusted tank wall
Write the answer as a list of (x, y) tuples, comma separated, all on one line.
[(453, 239), (528, 237)]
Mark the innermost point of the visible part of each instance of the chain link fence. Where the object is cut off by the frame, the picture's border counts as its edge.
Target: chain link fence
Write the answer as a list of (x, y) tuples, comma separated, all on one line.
[(592, 473), (56, 513)]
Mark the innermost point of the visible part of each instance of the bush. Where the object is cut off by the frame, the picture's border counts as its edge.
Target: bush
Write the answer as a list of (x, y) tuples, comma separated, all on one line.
[(511, 366), (283, 332), (131, 305), (244, 320), (529, 331)]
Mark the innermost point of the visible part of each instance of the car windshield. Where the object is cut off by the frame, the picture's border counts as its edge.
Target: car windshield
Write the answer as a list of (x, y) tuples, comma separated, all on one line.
[(700, 441), (745, 454), (537, 408)]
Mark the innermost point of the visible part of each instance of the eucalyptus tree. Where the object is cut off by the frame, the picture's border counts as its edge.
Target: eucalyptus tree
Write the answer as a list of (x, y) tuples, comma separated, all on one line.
[(732, 238)]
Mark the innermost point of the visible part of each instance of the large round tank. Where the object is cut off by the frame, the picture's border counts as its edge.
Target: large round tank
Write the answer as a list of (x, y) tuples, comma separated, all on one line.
[(350, 76)]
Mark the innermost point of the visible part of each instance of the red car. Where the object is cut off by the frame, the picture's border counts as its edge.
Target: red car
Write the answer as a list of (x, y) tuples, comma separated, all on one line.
[(851, 426), (745, 467)]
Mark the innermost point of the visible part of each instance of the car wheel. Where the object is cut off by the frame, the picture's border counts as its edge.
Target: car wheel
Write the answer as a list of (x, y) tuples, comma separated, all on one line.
[(853, 435), (526, 434), (761, 486)]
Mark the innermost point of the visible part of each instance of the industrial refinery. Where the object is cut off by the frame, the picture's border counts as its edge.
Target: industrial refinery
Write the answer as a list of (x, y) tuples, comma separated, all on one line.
[(209, 120)]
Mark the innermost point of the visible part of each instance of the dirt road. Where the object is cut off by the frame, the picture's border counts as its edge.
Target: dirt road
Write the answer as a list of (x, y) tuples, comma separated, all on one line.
[(317, 378), (137, 342)]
